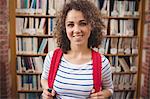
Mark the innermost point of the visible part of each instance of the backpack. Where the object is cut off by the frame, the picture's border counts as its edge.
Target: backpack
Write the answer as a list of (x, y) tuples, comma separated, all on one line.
[(96, 57)]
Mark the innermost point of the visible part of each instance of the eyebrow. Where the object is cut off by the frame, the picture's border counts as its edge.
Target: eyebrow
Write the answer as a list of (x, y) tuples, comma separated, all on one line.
[(79, 21)]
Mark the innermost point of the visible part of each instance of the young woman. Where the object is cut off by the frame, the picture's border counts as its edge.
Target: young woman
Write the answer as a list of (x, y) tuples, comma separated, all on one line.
[(78, 30)]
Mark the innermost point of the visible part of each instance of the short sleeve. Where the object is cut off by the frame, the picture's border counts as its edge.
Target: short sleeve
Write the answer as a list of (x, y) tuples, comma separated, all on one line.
[(107, 82), (46, 65)]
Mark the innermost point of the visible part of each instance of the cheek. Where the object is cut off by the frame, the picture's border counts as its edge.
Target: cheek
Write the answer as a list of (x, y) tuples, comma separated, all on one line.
[(69, 33)]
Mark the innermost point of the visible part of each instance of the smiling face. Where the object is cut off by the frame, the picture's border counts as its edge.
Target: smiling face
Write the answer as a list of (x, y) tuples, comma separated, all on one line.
[(77, 28)]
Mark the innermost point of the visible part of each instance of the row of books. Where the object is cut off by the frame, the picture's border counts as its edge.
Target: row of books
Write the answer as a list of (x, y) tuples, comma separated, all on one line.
[(123, 95), (35, 26), (34, 45), (109, 45), (116, 95), (29, 82), (41, 6), (29, 64), (122, 27), (123, 64), (119, 45), (124, 82), (119, 27), (119, 8)]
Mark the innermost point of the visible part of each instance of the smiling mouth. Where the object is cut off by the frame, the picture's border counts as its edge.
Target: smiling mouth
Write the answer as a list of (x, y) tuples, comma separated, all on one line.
[(77, 35)]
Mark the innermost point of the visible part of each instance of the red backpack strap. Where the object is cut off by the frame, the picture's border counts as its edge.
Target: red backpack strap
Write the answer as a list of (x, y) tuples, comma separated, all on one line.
[(54, 66), (97, 65)]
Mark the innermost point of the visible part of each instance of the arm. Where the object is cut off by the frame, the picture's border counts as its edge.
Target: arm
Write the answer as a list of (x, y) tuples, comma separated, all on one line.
[(44, 78), (44, 84), (107, 83)]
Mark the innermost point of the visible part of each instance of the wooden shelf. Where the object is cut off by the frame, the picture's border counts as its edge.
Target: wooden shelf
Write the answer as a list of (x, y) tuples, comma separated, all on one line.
[(119, 90), (39, 36), (51, 36), (31, 55), (123, 73), (26, 73), (124, 17), (30, 91), (121, 54), (44, 54), (117, 36), (34, 15)]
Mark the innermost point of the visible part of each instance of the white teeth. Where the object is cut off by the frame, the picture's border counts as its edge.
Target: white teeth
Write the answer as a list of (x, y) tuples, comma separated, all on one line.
[(77, 35)]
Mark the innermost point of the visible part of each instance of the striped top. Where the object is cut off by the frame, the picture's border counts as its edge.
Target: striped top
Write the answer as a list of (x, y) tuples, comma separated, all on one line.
[(76, 81)]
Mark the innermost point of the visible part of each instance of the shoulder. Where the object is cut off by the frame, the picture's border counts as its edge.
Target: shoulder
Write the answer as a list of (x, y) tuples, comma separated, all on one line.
[(105, 62), (104, 59), (49, 55)]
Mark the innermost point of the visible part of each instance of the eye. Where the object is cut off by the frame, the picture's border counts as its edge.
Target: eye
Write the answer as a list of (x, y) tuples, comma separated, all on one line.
[(83, 24), (70, 25)]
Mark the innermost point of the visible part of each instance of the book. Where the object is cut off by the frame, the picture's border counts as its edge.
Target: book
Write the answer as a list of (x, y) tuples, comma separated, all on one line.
[(114, 27), (44, 6), (51, 44), (51, 7), (124, 65), (104, 7), (127, 45), (107, 45), (120, 46), (42, 45), (19, 25), (134, 45), (113, 46), (38, 63)]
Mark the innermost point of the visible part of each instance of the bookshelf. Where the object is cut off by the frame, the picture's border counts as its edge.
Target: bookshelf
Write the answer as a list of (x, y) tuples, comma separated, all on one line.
[(122, 44), (34, 24)]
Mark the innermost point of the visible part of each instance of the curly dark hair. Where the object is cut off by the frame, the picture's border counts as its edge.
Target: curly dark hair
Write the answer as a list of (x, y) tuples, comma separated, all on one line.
[(91, 14)]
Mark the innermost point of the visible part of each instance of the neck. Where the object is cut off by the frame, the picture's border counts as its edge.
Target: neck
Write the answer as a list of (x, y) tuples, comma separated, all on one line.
[(79, 49), (79, 52), (75, 55)]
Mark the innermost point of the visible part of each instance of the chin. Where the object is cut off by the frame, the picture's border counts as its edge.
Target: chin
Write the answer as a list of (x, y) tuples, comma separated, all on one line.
[(79, 44)]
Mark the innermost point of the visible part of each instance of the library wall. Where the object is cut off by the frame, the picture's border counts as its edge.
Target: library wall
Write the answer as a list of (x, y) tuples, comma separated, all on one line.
[(5, 77), (34, 34), (145, 90), (5, 83)]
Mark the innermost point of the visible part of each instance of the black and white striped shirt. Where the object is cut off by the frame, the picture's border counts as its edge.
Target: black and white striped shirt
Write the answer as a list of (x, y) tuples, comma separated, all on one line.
[(76, 81)]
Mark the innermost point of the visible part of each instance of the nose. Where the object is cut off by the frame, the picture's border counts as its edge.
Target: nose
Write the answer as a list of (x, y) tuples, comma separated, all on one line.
[(76, 29)]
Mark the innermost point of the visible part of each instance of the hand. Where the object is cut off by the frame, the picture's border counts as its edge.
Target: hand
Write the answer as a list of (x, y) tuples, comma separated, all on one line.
[(47, 95), (98, 95)]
